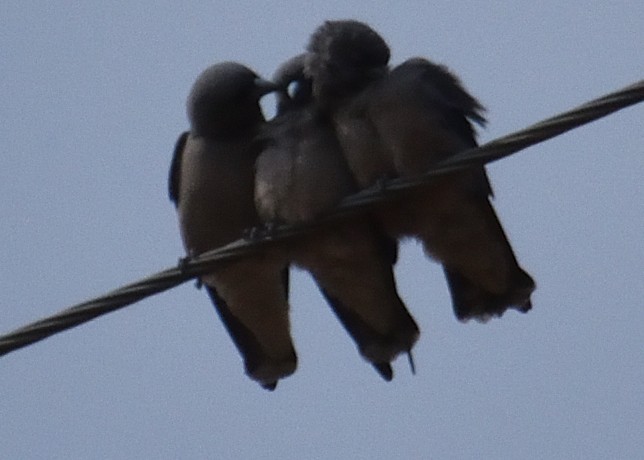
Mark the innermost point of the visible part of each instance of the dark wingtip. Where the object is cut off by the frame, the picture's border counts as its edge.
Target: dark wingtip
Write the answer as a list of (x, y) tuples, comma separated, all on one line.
[(269, 386), (385, 371), (526, 307)]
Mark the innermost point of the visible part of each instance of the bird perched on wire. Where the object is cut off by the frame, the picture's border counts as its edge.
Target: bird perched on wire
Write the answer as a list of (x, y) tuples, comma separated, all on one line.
[(400, 123), (300, 175), (212, 185)]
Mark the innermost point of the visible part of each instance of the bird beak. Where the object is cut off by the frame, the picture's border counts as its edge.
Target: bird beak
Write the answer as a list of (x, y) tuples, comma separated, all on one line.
[(265, 86)]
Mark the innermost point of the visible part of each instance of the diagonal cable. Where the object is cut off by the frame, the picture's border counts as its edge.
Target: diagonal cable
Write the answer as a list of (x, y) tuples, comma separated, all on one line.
[(169, 278)]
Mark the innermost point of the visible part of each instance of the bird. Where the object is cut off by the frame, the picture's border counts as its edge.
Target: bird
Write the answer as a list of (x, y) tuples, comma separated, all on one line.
[(398, 123), (211, 183), (300, 175)]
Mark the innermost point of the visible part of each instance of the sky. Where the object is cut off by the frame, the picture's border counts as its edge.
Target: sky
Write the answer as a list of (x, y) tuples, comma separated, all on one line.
[(92, 99)]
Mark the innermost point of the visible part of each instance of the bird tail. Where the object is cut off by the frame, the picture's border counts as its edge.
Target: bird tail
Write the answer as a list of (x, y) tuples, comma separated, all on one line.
[(472, 301), (260, 331), (462, 231), (355, 274), (379, 348)]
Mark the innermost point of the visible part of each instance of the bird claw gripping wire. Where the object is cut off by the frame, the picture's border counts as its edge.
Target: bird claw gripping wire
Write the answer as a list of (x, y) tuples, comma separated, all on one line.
[(381, 184), (182, 265), (264, 231)]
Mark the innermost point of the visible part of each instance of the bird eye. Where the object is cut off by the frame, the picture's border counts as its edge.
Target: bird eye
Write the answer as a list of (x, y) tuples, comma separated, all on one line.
[(292, 88)]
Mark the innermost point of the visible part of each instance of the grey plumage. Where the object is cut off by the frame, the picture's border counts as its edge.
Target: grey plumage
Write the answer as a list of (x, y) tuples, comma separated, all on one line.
[(212, 186), (399, 123), (301, 174)]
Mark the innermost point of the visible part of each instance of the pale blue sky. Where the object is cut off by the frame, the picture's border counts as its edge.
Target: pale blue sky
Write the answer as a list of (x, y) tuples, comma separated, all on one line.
[(92, 98)]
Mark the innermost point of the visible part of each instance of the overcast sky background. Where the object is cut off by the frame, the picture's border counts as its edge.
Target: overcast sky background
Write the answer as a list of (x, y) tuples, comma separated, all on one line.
[(92, 98)]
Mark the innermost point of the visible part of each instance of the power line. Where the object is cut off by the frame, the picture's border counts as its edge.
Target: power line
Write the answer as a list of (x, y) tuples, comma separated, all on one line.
[(169, 278)]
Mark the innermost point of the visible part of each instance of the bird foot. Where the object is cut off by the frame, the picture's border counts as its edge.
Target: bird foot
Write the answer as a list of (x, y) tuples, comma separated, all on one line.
[(381, 184), (183, 262), (260, 232), (182, 265)]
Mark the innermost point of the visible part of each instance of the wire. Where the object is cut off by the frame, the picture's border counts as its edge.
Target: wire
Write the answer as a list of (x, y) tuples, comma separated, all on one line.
[(187, 269)]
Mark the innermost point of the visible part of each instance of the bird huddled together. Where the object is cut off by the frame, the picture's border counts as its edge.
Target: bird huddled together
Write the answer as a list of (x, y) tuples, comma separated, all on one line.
[(345, 121)]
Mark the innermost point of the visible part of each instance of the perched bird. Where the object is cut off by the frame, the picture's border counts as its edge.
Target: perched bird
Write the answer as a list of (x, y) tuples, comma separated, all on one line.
[(400, 123), (300, 175), (212, 185)]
